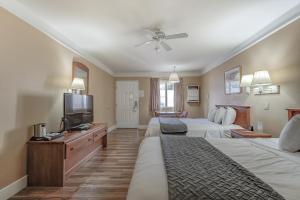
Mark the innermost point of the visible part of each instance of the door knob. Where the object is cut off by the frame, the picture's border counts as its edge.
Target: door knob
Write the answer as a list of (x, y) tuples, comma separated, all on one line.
[(135, 105)]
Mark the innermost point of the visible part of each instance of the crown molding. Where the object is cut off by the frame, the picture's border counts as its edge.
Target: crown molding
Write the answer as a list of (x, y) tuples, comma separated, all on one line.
[(157, 74), (278, 24), (20, 11), (24, 14)]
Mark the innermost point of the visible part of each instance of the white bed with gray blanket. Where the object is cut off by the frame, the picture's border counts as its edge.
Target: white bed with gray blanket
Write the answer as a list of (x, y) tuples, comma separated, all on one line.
[(261, 157), (218, 123), (198, 127)]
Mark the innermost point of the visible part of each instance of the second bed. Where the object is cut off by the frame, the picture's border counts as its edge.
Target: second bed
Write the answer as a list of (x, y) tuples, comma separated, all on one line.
[(202, 127)]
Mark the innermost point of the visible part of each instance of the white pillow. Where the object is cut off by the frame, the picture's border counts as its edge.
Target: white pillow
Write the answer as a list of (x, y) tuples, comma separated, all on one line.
[(289, 139), (229, 116), (220, 114), (212, 114)]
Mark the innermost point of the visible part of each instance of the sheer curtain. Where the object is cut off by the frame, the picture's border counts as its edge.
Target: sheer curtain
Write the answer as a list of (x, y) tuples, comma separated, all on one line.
[(154, 95), (179, 96)]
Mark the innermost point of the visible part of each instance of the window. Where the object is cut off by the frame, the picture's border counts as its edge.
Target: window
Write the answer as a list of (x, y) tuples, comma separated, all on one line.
[(166, 94)]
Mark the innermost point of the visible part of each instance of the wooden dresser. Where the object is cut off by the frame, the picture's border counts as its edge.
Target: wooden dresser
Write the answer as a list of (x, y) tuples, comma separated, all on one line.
[(51, 162)]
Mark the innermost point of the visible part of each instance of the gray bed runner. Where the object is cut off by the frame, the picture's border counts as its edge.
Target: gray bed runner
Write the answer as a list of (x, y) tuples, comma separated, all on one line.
[(197, 170), (172, 126)]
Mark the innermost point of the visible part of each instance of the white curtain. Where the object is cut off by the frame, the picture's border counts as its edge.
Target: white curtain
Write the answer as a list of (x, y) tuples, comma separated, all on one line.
[(154, 95), (179, 96)]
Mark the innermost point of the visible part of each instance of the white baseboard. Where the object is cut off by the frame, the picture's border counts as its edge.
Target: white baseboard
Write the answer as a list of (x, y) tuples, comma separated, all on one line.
[(110, 129), (13, 188), (143, 126)]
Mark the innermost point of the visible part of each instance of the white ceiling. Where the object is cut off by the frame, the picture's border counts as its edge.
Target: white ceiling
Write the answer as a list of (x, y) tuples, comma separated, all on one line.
[(107, 30)]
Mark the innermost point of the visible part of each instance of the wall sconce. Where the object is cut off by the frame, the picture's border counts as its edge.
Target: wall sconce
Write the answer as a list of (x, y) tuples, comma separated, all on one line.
[(260, 83), (77, 85), (246, 82)]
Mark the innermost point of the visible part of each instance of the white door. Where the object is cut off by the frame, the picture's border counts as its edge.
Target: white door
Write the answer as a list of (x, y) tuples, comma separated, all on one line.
[(127, 100)]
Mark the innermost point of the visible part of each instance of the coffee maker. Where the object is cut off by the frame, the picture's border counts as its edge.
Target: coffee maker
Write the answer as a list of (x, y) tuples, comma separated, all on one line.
[(40, 130)]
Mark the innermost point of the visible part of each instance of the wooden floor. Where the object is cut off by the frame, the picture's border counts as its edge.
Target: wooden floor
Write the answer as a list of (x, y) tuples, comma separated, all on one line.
[(105, 176)]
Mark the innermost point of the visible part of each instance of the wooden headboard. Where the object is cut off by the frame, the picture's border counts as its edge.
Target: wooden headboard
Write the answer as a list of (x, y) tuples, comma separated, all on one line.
[(242, 115), (292, 112)]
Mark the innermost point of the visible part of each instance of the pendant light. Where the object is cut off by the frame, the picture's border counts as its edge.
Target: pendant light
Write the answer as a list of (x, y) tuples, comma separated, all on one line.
[(174, 78)]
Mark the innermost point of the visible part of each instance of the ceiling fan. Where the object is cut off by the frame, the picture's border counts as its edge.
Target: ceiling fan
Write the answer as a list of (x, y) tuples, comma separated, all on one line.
[(159, 37)]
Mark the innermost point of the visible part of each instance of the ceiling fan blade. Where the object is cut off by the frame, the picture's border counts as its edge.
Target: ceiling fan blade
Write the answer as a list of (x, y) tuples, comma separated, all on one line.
[(143, 43), (165, 46), (174, 36)]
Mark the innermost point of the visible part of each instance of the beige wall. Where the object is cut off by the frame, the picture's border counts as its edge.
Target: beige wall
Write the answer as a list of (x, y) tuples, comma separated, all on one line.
[(280, 54), (194, 109), (35, 71)]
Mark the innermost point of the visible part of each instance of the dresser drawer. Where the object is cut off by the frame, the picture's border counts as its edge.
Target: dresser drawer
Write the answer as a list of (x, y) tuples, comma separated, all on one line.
[(79, 147), (77, 150)]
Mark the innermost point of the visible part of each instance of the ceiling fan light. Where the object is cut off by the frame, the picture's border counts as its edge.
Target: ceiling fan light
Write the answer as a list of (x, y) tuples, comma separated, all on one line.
[(157, 49)]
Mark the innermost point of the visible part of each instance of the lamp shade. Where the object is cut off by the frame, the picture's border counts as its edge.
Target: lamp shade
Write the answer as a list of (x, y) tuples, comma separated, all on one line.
[(246, 80), (78, 84), (261, 78), (174, 78)]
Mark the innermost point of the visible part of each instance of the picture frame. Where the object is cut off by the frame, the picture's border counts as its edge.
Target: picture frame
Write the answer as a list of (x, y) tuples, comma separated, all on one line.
[(232, 79), (79, 70)]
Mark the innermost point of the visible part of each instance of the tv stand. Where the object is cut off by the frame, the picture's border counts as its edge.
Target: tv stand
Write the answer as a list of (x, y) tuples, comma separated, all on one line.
[(50, 163)]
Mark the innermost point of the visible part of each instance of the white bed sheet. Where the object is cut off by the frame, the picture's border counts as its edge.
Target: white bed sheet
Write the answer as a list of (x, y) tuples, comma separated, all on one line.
[(279, 169), (199, 127)]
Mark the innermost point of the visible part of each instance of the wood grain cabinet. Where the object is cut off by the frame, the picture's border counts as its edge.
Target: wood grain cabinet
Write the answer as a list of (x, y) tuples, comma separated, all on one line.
[(51, 162)]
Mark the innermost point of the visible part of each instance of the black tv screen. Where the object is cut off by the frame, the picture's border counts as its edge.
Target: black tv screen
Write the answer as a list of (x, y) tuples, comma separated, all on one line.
[(78, 109)]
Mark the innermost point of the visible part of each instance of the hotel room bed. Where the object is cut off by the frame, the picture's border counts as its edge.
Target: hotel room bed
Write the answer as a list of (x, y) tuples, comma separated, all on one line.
[(280, 170), (200, 127), (204, 128)]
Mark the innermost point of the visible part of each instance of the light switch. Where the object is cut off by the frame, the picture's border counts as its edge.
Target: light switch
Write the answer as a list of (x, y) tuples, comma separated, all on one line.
[(267, 106)]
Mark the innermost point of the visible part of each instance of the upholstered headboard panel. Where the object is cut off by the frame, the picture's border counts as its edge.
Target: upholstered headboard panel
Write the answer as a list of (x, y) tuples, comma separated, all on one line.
[(242, 115)]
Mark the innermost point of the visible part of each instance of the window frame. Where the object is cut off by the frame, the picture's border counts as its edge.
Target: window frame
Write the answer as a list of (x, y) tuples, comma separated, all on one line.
[(166, 82)]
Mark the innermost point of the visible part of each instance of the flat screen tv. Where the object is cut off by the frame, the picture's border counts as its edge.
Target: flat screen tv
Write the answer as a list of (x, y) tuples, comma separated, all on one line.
[(78, 109)]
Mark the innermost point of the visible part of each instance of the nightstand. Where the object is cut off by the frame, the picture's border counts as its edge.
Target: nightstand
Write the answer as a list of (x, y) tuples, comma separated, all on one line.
[(244, 133)]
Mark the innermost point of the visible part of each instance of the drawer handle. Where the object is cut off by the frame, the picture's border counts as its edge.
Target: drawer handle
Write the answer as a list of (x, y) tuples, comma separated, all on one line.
[(71, 149), (89, 139)]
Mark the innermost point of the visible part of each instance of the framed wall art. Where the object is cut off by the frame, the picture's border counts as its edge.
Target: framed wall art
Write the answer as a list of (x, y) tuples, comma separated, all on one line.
[(232, 81)]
